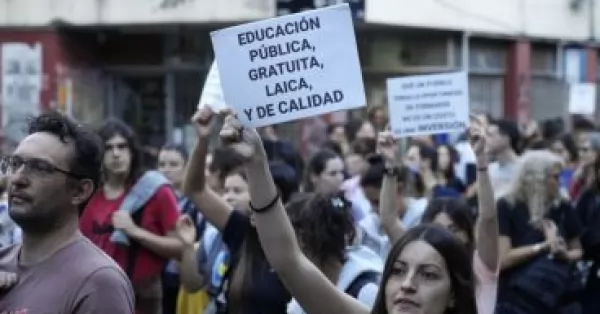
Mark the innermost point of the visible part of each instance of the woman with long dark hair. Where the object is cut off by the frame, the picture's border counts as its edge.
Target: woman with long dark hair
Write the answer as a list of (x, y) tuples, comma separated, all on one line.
[(455, 215), (248, 285), (428, 271)]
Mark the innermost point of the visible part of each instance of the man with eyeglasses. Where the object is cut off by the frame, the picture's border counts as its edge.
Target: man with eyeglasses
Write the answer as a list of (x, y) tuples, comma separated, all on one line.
[(51, 175)]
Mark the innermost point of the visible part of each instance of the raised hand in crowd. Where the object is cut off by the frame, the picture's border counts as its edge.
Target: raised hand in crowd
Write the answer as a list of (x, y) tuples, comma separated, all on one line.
[(486, 228), (303, 279), (388, 200)]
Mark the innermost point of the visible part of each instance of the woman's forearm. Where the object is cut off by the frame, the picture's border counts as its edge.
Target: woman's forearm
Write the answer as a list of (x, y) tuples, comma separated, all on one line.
[(388, 209), (194, 179), (276, 234)]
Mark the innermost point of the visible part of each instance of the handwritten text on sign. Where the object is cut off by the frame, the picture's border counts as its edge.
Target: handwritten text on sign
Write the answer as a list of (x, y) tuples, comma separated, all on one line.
[(428, 104), (290, 67)]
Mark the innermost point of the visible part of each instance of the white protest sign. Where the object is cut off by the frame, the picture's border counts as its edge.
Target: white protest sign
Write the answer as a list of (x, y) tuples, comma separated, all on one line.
[(582, 98), (428, 104), (290, 67), (212, 93)]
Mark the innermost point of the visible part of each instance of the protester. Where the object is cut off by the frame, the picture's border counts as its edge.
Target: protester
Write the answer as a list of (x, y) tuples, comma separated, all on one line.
[(502, 145), (324, 226), (446, 171), (448, 273), (454, 215), (325, 174), (172, 160), (251, 285), (565, 146), (51, 175), (409, 209), (423, 159), (132, 216), (539, 239), (588, 210)]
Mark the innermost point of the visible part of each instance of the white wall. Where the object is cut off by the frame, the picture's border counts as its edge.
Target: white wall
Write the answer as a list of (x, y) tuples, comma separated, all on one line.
[(532, 18), (106, 12), (551, 19)]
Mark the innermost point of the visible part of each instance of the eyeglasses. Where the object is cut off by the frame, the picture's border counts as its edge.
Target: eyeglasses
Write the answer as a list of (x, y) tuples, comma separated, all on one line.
[(35, 166)]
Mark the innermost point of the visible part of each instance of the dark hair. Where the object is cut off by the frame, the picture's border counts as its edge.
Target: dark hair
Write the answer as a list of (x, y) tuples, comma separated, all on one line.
[(284, 151), (537, 145), (247, 259), (373, 177), (179, 148), (428, 152), (582, 123), (286, 179), (113, 127), (364, 147), (449, 174), (458, 211), (323, 224), (331, 128), (458, 264), (333, 146), (86, 161), (317, 164), (509, 129), (568, 142), (224, 161)]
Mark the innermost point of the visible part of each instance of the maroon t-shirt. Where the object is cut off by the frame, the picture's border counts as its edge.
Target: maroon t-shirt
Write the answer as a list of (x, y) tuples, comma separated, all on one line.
[(77, 279)]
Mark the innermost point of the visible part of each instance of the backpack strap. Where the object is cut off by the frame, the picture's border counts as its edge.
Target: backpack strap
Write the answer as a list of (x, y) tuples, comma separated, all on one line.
[(143, 190), (362, 280), (134, 248)]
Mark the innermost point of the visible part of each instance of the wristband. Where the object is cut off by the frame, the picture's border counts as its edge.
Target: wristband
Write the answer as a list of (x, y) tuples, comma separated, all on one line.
[(265, 208)]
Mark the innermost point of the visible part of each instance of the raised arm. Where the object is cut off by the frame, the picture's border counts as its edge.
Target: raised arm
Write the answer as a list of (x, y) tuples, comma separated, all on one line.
[(303, 279), (212, 206), (191, 279), (388, 200), (486, 228)]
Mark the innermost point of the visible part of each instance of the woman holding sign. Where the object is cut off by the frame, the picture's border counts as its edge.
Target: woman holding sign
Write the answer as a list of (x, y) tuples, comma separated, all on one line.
[(427, 271), (248, 285)]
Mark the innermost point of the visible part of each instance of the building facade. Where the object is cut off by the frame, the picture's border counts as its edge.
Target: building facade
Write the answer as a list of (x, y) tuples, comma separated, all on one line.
[(145, 60)]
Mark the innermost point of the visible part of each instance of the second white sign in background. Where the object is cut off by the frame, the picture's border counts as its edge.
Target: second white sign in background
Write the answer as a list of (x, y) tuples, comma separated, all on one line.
[(428, 104)]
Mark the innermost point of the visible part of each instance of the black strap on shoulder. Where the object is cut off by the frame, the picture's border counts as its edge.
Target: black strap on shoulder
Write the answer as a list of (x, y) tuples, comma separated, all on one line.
[(362, 280), (134, 247)]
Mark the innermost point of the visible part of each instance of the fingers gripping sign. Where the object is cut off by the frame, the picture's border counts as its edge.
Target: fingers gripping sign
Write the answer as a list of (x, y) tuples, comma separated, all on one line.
[(244, 140)]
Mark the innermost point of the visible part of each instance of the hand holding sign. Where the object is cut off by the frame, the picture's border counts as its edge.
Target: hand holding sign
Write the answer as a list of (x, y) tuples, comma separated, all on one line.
[(243, 140), (202, 119)]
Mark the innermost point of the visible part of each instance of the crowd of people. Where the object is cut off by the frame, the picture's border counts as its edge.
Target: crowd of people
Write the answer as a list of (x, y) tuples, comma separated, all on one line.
[(504, 219)]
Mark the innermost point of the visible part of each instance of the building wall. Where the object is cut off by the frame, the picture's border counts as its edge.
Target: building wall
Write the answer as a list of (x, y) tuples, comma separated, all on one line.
[(118, 12), (27, 79), (531, 18), (554, 19)]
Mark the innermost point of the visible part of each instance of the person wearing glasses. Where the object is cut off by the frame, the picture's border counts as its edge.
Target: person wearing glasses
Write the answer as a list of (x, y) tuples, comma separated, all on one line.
[(50, 177)]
